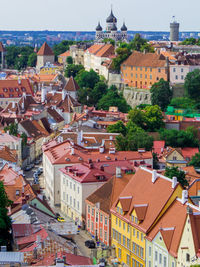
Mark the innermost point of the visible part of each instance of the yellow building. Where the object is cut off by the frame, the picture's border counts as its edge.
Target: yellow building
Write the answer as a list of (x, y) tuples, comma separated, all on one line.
[(140, 205), (49, 69), (174, 158)]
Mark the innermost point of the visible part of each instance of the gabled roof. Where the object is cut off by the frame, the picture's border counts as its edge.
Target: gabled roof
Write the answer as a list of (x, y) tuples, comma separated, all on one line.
[(71, 85), (141, 211), (125, 203), (167, 235), (15, 88), (158, 147), (188, 152), (138, 59), (33, 129), (55, 115), (144, 191), (102, 50), (65, 54), (45, 50)]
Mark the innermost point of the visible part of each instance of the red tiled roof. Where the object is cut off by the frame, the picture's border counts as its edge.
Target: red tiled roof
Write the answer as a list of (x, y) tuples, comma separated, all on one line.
[(32, 238), (65, 54), (158, 146), (14, 88), (188, 152), (71, 85), (45, 50), (145, 60)]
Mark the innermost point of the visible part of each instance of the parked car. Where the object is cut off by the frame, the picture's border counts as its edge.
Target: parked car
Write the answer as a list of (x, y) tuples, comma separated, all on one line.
[(35, 175), (60, 219), (90, 244), (38, 171), (41, 169), (32, 165), (37, 162)]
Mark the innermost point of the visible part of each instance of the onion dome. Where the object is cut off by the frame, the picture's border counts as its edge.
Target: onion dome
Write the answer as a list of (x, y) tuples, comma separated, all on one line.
[(99, 28), (113, 28), (123, 28), (111, 18)]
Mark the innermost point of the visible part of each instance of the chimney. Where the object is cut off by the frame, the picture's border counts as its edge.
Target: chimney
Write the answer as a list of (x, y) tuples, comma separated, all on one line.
[(24, 95), (81, 135), (19, 81), (174, 182), (184, 196), (101, 149), (154, 176), (189, 210), (75, 250), (118, 172), (72, 150), (112, 150), (13, 104)]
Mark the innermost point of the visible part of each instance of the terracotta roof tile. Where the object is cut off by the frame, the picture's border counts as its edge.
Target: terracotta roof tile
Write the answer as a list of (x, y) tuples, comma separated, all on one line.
[(141, 211), (45, 50), (14, 88), (125, 203), (71, 85)]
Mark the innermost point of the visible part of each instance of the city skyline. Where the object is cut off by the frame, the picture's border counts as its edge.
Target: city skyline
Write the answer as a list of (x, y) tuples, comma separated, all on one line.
[(63, 15)]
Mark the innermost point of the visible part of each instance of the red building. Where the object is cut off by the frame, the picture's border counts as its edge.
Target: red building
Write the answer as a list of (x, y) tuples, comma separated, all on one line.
[(98, 219)]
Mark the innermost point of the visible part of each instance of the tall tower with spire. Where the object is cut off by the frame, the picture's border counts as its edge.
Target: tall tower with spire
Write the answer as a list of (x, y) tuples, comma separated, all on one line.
[(111, 31)]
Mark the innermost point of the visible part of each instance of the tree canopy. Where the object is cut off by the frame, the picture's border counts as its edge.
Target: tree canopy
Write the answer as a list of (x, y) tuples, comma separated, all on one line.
[(122, 54), (183, 102), (192, 84), (118, 127), (69, 60), (140, 44), (150, 118), (180, 138), (73, 70), (161, 94), (179, 174), (190, 41), (113, 98), (62, 47), (5, 222), (195, 161), (32, 60)]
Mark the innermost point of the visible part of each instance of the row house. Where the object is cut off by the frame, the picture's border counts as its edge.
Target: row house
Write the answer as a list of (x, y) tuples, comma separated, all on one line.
[(136, 210), (77, 183), (13, 90), (184, 64), (98, 204), (67, 153), (96, 55), (142, 70)]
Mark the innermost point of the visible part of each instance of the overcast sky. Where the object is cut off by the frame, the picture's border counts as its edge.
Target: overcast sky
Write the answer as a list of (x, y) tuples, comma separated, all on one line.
[(83, 15)]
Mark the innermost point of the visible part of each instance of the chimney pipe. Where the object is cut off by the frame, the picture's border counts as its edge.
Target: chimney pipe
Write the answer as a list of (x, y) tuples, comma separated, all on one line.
[(154, 176), (174, 182), (184, 196), (118, 172)]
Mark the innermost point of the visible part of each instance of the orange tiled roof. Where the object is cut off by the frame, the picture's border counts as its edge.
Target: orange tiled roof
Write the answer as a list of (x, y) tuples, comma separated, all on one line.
[(138, 59), (15, 88), (45, 50), (71, 85), (65, 54), (144, 191)]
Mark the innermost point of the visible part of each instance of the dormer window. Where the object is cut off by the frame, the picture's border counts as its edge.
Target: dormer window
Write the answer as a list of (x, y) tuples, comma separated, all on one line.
[(5, 89), (23, 89), (136, 220), (17, 192)]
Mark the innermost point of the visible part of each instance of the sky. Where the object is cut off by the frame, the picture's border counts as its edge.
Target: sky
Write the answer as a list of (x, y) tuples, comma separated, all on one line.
[(83, 15)]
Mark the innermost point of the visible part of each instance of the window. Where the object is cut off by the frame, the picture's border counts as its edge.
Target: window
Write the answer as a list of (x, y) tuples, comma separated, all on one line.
[(159, 70), (182, 77), (74, 202), (128, 243), (131, 67), (133, 232), (74, 187), (124, 240), (165, 261), (173, 265), (97, 216), (63, 180), (78, 189), (182, 70), (100, 232), (70, 200), (116, 221), (136, 220), (133, 247), (187, 257), (150, 251), (70, 185), (118, 209), (88, 225), (150, 77), (64, 195), (146, 69), (176, 77), (127, 259), (149, 263), (119, 253), (145, 76), (67, 182), (150, 69), (101, 218), (124, 226), (78, 205), (137, 234), (140, 75), (92, 226), (92, 211), (136, 75), (106, 220), (141, 68), (174, 158), (67, 197), (105, 236), (141, 237), (174, 69), (141, 252), (131, 74), (137, 250), (160, 258), (128, 228), (156, 255), (17, 192), (88, 209), (119, 223), (120, 238)]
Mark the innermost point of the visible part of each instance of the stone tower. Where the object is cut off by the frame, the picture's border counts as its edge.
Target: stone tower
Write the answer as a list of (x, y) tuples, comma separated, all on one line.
[(174, 30), (2, 56), (44, 55)]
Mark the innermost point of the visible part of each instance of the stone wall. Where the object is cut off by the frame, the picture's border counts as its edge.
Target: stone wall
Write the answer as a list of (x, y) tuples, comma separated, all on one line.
[(135, 97)]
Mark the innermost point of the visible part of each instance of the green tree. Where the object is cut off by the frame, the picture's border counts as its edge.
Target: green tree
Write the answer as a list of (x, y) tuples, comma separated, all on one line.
[(24, 140), (5, 222), (73, 70), (12, 128), (182, 102), (122, 54), (154, 118), (17, 57), (109, 40), (155, 161), (195, 161), (87, 79), (192, 84), (175, 172), (140, 44), (161, 94), (118, 127), (189, 41), (177, 138), (113, 98), (137, 116), (32, 60), (69, 60), (62, 47)]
